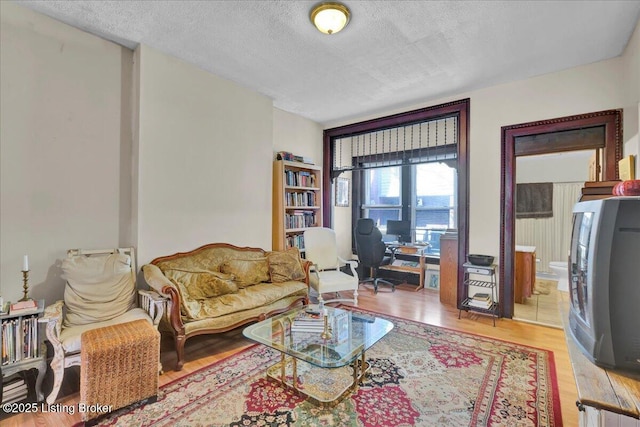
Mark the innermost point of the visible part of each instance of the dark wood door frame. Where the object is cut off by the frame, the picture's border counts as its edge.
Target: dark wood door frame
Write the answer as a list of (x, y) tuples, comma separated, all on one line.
[(528, 134)]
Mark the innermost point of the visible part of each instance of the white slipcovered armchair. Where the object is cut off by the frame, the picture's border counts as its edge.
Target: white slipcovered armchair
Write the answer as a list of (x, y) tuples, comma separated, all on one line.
[(100, 291), (321, 248)]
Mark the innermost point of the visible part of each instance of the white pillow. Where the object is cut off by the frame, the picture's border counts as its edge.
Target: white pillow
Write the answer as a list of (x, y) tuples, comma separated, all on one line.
[(99, 288)]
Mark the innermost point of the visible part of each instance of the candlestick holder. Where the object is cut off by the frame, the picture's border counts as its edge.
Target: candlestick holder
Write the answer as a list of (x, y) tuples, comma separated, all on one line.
[(326, 333), (25, 286)]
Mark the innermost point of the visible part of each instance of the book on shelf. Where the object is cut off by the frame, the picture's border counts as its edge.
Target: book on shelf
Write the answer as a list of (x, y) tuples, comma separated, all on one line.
[(19, 339), (12, 381), (285, 155), (587, 197), (12, 397), (480, 304), (14, 400), (626, 168), (15, 392), (14, 389), (24, 307), (610, 184), (597, 190), (481, 296)]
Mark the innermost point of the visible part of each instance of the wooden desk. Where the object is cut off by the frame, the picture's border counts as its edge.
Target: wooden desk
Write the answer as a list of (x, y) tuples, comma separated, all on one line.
[(601, 388), (414, 251)]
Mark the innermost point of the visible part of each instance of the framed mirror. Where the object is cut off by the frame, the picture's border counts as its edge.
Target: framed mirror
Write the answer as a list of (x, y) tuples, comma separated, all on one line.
[(600, 131)]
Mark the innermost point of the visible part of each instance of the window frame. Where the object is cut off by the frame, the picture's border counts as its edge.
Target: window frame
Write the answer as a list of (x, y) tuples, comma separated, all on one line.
[(408, 208), (460, 108)]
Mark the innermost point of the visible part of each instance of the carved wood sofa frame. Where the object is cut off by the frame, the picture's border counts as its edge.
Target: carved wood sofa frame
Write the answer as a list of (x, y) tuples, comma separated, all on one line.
[(173, 321)]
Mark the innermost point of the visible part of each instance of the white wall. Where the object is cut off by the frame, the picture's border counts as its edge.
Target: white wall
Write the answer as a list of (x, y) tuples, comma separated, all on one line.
[(570, 166), (297, 135), (204, 161), (604, 85), (101, 149), (631, 70), (64, 124)]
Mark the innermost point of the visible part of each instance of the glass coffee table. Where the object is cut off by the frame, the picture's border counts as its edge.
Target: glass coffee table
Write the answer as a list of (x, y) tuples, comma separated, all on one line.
[(322, 367)]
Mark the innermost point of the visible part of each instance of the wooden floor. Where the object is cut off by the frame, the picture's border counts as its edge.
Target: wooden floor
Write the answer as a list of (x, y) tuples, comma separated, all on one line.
[(423, 306)]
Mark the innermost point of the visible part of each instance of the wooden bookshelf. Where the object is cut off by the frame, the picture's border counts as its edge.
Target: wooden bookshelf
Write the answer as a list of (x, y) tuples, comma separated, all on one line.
[(297, 202)]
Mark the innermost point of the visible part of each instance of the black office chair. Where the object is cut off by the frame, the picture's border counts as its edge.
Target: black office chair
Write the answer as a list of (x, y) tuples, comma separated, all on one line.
[(371, 251)]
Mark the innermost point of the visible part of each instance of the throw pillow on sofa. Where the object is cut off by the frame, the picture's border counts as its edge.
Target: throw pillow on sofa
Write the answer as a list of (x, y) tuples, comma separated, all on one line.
[(202, 284), (247, 272), (285, 265)]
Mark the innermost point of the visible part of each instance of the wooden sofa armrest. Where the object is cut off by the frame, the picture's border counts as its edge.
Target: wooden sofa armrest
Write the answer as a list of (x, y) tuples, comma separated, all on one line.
[(163, 286), (157, 281), (306, 267)]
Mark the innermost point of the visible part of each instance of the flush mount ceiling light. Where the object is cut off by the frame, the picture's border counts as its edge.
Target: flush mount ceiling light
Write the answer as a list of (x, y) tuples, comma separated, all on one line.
[(329, 18)]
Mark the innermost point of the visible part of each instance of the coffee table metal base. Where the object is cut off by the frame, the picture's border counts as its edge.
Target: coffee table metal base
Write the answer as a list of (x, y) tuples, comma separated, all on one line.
[(324, 385)]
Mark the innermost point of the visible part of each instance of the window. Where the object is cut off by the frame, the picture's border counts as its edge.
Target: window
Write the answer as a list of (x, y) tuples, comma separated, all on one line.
[(430, 205), (435, 208), (382, 194), (438, 133)]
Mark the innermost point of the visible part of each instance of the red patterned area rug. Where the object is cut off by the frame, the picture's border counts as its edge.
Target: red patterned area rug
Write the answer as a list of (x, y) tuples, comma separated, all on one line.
[(420, 375)]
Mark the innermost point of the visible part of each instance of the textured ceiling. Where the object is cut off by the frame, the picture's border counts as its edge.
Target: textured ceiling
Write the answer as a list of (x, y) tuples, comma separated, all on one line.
[(392, 53)]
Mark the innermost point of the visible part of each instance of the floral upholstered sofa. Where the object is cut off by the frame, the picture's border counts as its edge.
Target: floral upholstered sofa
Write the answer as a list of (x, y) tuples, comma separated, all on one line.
[(219, 287)]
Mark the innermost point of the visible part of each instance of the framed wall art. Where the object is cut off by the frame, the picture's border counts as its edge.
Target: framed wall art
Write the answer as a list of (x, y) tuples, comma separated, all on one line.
[(432, 279), (342, 192)]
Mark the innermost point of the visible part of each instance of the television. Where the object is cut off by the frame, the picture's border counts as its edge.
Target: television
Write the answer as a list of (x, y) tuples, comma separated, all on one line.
[(604, 281), (401, 229)]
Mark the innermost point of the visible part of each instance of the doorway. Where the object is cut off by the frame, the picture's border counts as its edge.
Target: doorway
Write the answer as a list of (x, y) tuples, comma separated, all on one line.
[(548, 237), (600, 131)]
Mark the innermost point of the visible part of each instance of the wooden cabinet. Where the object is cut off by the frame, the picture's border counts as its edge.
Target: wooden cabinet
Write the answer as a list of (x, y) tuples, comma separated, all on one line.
[(449, 268), (297, 202), (525, 276), (606, 397)]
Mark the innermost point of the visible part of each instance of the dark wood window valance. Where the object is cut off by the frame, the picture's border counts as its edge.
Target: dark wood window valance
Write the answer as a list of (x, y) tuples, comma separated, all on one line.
[(427, 140)]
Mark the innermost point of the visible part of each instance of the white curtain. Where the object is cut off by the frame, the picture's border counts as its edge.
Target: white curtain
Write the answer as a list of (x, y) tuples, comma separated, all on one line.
[(551, 236)]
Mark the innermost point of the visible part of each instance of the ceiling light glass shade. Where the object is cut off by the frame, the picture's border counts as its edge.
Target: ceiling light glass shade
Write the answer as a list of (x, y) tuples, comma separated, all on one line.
[(329, 18)]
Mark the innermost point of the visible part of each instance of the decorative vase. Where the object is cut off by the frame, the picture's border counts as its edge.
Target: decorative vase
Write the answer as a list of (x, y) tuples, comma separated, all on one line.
[(630, 187)]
